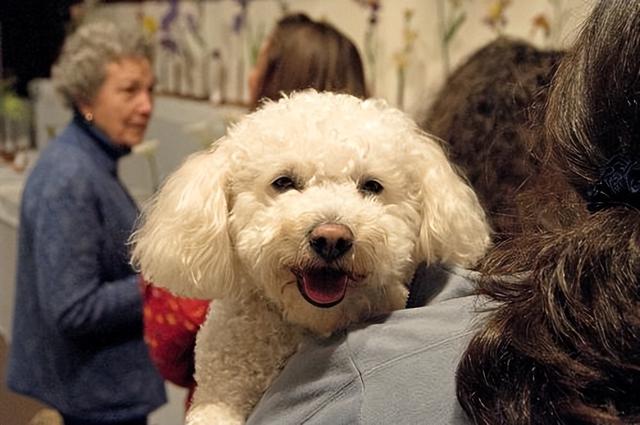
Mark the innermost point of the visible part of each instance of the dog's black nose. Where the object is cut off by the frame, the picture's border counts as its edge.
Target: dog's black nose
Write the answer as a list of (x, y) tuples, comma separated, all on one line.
[(331, 241)]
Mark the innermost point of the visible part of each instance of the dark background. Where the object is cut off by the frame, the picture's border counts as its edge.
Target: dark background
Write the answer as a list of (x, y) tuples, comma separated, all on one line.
[(32, 33)]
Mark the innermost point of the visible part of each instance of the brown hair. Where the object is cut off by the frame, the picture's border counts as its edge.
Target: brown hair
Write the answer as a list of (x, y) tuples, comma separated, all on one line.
[(303, 53), (482, 112), (563, 345)]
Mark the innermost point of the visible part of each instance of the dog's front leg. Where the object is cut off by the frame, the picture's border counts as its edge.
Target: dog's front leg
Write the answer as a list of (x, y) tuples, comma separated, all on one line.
[(240, 349)]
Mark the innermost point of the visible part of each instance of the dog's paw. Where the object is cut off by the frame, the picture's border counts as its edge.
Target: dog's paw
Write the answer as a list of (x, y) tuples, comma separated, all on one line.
[(214, 414)]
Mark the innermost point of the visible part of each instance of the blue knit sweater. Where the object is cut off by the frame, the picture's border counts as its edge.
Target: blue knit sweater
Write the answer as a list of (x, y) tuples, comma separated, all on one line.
[(77, 339)]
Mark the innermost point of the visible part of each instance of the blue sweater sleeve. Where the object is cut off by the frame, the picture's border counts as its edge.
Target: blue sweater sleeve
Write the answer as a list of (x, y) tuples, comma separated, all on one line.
[(73, 287)]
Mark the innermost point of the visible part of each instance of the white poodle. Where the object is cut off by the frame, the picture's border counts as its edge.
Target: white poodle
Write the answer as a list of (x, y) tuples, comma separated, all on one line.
[(311, 214)]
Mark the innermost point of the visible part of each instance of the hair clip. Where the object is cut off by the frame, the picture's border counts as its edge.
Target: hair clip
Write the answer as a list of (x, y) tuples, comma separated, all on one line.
[(619, 184)]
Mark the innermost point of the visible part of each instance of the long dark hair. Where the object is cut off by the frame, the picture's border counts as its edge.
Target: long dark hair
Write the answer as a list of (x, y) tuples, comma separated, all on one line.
[(563, 345), (482, 112), (303, 53)]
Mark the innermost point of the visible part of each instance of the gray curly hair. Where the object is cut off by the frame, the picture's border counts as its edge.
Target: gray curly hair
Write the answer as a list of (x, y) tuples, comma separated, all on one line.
[(81, 67)]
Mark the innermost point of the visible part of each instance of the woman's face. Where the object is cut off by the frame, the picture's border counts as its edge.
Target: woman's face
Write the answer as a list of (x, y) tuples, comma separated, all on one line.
[(123, 104)]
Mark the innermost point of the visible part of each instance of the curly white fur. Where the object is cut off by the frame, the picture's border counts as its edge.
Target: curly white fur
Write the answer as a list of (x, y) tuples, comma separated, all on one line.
[(221, 229)]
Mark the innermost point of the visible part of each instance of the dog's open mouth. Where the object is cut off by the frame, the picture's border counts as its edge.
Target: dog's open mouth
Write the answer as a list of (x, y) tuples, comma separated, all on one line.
[(323, 287)]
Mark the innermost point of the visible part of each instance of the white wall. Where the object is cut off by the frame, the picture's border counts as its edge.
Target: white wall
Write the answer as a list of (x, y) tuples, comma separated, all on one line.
[(425, 65)]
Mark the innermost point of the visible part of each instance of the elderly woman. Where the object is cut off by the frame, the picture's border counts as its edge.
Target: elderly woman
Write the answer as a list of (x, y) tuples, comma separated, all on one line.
[(77, 334)]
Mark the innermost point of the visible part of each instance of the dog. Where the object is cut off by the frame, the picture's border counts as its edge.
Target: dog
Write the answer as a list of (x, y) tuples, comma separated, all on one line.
[(312, 213)]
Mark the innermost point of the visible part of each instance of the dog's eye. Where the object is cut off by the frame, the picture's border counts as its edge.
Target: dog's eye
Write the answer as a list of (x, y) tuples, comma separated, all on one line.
[(372, 186), (283, 183)]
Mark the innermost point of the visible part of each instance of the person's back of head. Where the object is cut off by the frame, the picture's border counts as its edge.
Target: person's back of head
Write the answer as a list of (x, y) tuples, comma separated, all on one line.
[(302, 53), (482, 113), (563, 347)]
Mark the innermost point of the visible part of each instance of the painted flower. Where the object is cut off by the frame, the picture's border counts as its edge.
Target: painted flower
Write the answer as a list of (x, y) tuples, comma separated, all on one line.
[(540, 22), (149, 24), (238, 22), (169, 44), (402, 57), (496, 17), (240, 18), (374, 7), (170, 16), (401, 60), (409, 37)]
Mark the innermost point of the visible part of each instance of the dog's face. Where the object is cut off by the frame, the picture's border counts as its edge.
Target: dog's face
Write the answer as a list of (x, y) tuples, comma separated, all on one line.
[(322, 203), (324, 216)]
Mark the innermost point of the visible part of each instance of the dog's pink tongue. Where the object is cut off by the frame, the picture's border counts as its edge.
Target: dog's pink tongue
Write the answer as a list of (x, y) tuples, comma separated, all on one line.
[(325, 287)]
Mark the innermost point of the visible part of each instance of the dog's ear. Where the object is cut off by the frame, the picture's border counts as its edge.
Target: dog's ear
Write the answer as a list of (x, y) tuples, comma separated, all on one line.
[(182, 241), (454, 229)]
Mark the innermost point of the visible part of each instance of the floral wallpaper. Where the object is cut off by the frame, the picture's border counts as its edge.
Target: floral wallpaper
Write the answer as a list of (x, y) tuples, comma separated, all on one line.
[(205, 49)]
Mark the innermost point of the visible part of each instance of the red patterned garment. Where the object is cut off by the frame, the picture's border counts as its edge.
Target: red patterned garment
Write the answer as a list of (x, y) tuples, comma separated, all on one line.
[(170, 327)]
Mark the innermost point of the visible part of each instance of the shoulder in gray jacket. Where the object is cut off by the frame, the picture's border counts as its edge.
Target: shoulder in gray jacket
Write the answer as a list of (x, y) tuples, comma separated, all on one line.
[(398, 370)]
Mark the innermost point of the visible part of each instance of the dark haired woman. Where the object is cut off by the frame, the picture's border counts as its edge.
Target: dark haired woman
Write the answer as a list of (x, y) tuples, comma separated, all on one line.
[(483, 113), (301, 53), (564, 346)]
